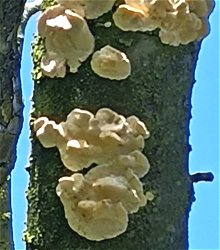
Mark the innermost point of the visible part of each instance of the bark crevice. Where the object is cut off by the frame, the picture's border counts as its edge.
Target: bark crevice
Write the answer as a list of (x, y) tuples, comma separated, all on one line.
[(11, 108)]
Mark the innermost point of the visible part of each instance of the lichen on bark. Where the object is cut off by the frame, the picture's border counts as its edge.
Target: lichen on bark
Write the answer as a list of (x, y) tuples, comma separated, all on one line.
[(159, 93)]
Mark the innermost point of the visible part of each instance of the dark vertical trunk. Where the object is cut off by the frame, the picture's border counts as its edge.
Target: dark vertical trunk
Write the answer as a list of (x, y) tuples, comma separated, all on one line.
[(159, 93), (10, 110)]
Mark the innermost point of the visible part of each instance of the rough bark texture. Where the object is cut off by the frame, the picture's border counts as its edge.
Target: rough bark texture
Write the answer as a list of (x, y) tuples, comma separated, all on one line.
[(159, 92), (10, 110)]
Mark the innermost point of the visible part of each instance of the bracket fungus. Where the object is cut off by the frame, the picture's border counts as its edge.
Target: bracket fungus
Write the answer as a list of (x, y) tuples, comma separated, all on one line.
[(91, 9), (84, 139), (129, 18), (179, 21), (111, 63), (118, 183), (92, 219), (136, 161), (68, 40), (98, 203), (48, 132)]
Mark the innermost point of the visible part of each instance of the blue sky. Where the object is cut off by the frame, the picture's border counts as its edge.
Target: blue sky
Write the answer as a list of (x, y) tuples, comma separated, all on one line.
[(204, 127)]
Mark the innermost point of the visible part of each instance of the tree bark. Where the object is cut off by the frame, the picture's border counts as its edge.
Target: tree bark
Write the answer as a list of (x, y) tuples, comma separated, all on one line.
[(159, 93), (10, 110)]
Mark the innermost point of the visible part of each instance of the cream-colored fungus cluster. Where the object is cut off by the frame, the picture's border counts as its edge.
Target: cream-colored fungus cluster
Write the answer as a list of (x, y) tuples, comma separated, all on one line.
[(97, 204), (69, 41), (179, 21), (84, 139)]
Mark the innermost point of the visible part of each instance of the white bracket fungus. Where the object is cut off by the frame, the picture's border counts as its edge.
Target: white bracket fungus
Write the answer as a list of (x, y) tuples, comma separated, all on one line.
[(68, 40), (93, 219), (111, 63), (85, 139), (129, 18), (97, 205), (179, 21), (90, 216), (48, 132)]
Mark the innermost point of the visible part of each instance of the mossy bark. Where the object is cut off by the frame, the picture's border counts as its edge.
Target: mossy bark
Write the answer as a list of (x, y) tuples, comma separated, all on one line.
[(10, 110), (159, 93)]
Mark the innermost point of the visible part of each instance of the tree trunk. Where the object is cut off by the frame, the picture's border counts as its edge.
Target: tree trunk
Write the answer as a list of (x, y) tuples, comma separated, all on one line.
[(10, 110), (159, 93)]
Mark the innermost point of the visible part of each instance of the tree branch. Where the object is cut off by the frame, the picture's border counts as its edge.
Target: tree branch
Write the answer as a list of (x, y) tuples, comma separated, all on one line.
[(30, 9), (207, 176)]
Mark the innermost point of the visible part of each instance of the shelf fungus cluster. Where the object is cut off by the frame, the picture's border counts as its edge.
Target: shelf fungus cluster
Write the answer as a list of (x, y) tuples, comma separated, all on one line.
[(69, 41), (97, 204), (179, 21)]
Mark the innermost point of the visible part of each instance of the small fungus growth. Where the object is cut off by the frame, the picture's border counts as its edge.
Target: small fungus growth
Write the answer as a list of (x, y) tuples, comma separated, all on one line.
[(68, 40), (179, 21), (111, 63), (97, 204)]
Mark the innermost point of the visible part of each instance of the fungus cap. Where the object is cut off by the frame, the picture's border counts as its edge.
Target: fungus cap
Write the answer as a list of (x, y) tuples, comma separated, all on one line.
[(201, 8), (94, 220), (119, 179), (77, 154), (38, 123), (177, 28), (73, 188), (85, 138), (138, 127), (49, 133), (108, 120), (101, 220), (52, 65), (149, 196), (78, 120), (67, 39), (111, 63), (91, 9), (74, 5), (125, 189), (180, 22), (136, 161), (128, 18)]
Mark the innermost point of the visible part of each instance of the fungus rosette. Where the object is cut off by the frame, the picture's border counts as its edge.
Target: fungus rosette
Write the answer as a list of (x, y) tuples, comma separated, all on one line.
[(180, 22), (92, 219), (111, 63), (84, 139), (68, 40), (92, 215), (97, 205)]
